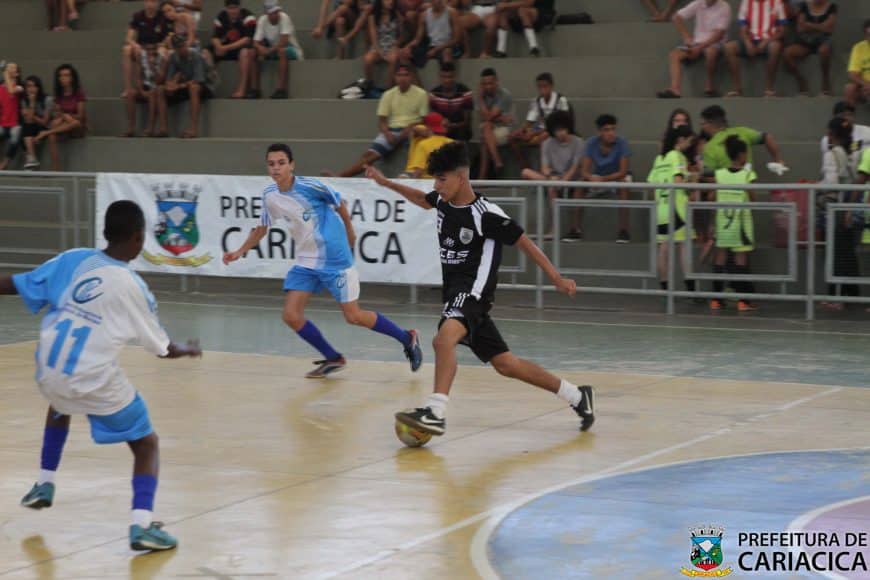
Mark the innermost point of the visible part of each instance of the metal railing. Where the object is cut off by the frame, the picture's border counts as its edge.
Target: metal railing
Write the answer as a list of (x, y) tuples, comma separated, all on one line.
[(77, 188)]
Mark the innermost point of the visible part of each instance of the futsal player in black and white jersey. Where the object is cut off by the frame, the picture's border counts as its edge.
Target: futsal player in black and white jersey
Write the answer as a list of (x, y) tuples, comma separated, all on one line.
[(471, 233)]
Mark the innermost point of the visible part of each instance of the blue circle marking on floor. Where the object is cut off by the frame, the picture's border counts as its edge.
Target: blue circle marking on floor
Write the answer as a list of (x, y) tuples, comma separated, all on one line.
[(637, 525)]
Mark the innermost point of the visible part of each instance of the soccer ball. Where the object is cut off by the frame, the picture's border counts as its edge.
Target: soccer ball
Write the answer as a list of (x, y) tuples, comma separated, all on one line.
[(410, 436)]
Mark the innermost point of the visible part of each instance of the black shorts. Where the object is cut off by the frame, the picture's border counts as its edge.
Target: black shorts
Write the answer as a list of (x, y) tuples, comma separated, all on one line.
[(483, 337), (182, 95), (231, 55), (543, 20)]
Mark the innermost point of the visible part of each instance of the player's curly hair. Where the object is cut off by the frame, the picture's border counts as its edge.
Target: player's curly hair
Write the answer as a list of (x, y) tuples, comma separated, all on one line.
[(124, 219), (735, 146), (449, 157)]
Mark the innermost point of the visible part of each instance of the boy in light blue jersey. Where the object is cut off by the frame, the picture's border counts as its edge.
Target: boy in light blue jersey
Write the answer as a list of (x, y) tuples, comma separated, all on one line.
[(322, 231), (96, 304)]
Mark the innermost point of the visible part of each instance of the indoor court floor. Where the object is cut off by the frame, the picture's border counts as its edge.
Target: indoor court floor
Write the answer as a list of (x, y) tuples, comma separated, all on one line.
[(752, 424)]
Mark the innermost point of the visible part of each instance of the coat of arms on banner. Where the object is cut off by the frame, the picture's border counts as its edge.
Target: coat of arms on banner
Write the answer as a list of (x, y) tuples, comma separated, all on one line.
[(706, 555), (176, 231)]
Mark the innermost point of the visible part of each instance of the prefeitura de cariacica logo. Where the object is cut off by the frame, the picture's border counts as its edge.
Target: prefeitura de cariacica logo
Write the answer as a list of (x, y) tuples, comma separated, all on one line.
[(706, 555), (176, 231)]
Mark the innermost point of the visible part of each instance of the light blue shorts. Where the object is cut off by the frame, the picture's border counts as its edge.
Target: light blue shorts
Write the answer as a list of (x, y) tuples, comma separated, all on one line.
[(342, 284), (129, 424)]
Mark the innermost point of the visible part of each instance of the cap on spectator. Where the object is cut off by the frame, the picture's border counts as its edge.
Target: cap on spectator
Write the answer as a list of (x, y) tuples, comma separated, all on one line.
[(178, 41), (232, 2), (435, 122), (843, 107), (270, 6)]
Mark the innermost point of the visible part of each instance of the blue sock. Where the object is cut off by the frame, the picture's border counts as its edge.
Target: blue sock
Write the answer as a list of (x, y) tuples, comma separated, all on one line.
[(312, 336), (53, 441), (144, 489), (386, 326)]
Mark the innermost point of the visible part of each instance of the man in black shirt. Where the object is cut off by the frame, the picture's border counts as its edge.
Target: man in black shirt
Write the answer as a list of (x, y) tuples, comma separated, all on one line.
[(233, 39), (147, 29), (471, 232)]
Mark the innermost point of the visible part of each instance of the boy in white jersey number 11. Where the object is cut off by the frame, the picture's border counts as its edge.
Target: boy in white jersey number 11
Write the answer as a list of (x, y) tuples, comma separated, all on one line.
[(97, 304), (323, 234), (471, 232)]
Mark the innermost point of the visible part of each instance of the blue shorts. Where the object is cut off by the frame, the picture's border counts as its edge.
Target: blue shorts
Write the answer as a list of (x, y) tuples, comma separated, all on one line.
[(129, 424), (342, 284)]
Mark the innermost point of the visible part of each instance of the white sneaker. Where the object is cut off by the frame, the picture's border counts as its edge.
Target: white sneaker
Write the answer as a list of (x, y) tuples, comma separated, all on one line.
[(31, 163)]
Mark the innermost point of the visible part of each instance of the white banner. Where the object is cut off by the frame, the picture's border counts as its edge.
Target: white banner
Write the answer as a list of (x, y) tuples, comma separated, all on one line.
[(191, 220)]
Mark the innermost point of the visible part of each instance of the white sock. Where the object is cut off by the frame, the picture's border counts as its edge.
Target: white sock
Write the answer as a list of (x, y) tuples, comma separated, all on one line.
[(438, 403), (142, 518), (530, 36), (501, 45), (45, 476), (570, 393)]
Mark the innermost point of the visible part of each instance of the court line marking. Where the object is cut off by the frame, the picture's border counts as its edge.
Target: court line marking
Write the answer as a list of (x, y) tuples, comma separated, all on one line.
[(799, 525), (494, 515), (278, 307), (20, 343)]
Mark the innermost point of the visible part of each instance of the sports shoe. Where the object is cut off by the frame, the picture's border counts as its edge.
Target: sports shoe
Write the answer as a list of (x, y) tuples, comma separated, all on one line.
[(746, 306), (152, 538), (622, 237), (40, 496), (586, 408), (31, 162), (535, 52), (574, 235), (499, 54), (423, 419), (413, 352), (326, 367), (715, 304), (279, 94)]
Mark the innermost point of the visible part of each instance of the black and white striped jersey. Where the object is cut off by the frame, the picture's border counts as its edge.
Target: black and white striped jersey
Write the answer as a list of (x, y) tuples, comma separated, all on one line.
[(471, 239)]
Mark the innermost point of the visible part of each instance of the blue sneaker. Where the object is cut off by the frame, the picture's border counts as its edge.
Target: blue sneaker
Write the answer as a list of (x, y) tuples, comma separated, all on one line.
[(39, 496), (413, 352), (152, 538)]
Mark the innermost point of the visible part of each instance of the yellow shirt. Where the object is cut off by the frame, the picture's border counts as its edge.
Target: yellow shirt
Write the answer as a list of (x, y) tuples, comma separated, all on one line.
[(859, 61), (421, 148), (864, 162), (403, 109)]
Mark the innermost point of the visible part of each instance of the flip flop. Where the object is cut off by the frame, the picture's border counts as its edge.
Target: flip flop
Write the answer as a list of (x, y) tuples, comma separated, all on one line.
[(731, 94), (769, 94), (668, 94)]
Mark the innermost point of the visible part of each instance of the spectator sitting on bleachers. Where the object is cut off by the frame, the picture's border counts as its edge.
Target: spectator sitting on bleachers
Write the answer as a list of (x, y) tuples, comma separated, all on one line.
[(180, 24), (534, 129), (10, 117), (859, 134), (496, 106), (70, 118), (275, 37), (526, 16), (606, 161), (426, 138), (149, 75), (399, 110), (362, 10), (148, 28), (62, 14), (712, 18), (453, 101), (815, 26), (660, 15), (762, 25), (36, 109), (186, 79), (337, 17), (858, 88), (233, 39), (476, 13), (561, 155), (385, 38), (714, 123), (439, 35), (192, 7)]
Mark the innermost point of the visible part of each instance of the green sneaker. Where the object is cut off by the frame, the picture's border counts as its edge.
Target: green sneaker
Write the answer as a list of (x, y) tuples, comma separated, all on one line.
[(153, 538), (40, 496)]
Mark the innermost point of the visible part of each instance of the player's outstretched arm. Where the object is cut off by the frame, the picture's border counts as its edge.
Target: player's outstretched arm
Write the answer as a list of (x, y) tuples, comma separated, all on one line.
[(257, 234), (348, 224), (6, 285), (413, 195), (530, 249), (191, 348)]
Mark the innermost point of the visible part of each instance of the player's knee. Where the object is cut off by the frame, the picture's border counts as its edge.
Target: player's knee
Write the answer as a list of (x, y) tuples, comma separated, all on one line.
[(505, 366), (442, 342), (355, 318), (293, 319)]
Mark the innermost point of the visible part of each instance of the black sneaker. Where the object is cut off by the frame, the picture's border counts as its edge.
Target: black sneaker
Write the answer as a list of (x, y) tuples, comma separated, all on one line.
[(423, 419), (586, 409), (499, 54), (254, 94), (326, 367), (279, 94), (573, 236), (535, 52), (622, 237)]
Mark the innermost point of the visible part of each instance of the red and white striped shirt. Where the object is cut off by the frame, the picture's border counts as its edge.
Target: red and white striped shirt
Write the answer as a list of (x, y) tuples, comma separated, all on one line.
[(761, 17)]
